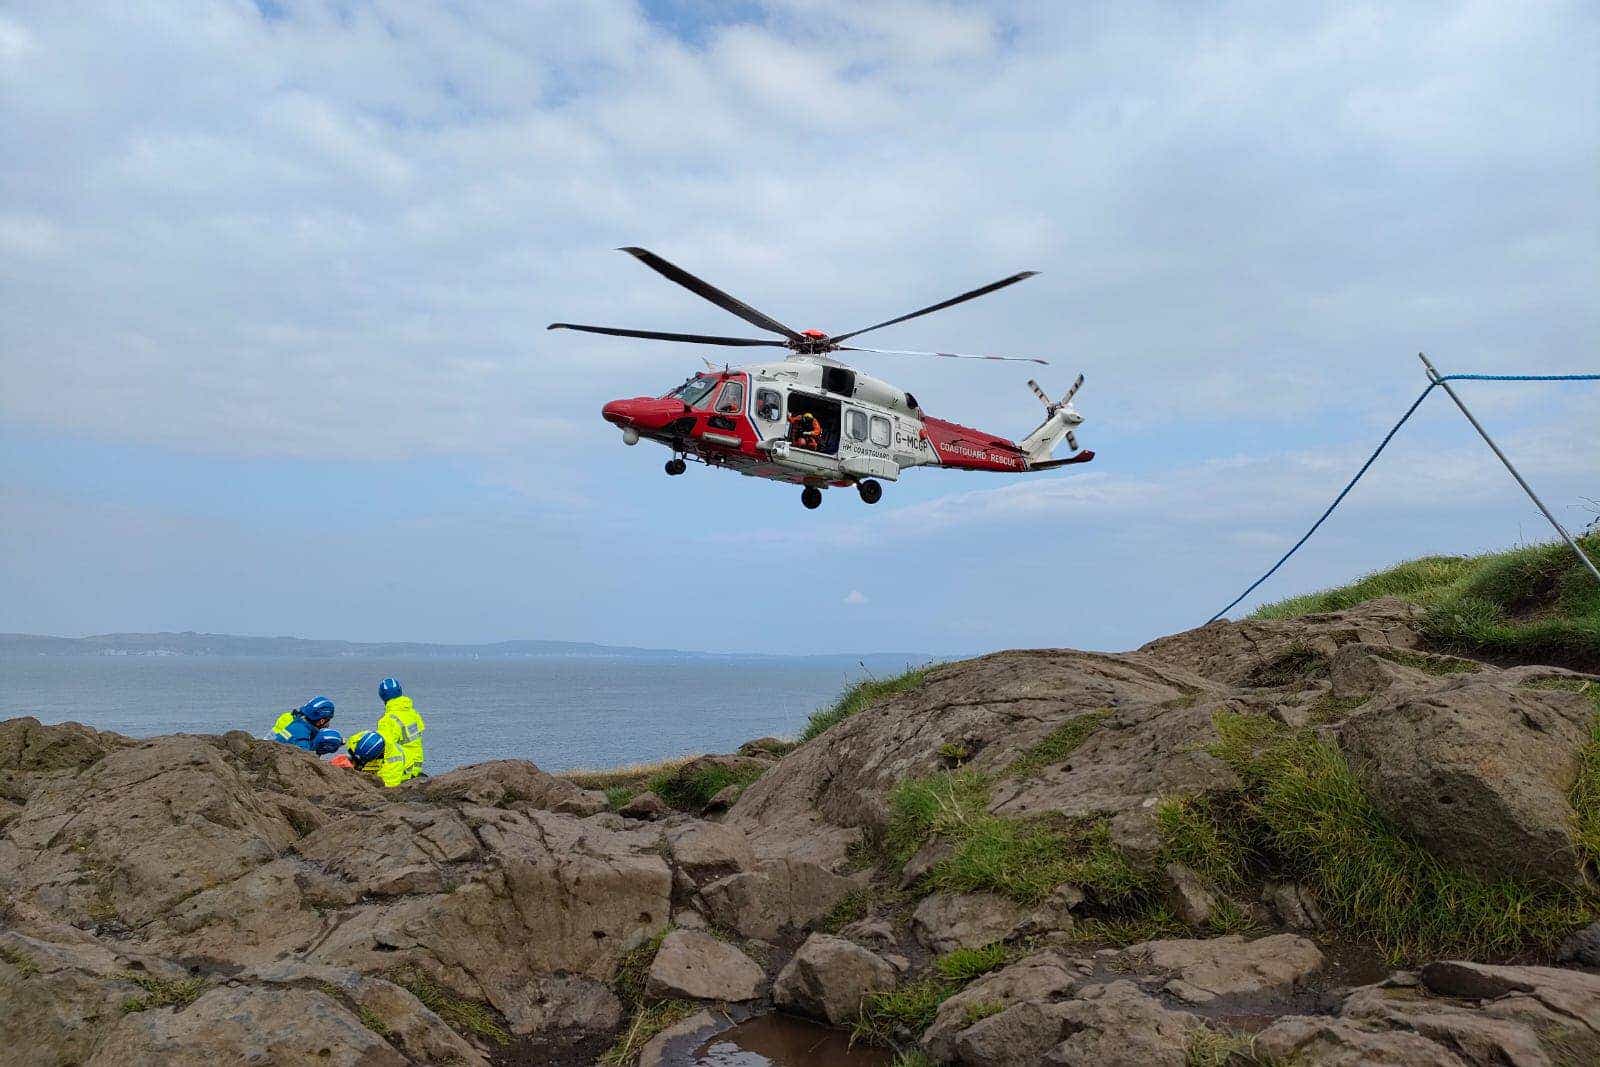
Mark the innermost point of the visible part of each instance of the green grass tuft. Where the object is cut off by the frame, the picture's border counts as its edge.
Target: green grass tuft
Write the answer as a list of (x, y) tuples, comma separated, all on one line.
[(1303, 810), (1437, 665), (893, 1014), (965, 964), (160, 992), (1197, 834), (1058, 745), (860, 696), (462, 1015), (373, 1021), (1535, 604), (1024, 859), (980, 1011), (691, 788), (1585, 793), (25, 964), (912, 1058)]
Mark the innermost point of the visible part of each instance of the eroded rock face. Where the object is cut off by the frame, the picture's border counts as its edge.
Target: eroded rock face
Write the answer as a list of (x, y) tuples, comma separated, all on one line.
[(1038, 980), (230, 852), (1478, 770), (779, 897), (828, 978), (1118, 1025)]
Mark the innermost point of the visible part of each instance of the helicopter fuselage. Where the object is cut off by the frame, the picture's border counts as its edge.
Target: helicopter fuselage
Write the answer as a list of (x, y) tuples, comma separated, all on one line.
[(752, 419)]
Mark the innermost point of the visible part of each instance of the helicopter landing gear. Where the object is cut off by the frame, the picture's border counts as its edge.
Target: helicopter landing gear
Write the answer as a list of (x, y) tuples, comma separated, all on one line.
[(676, 466), (871, 490), (811, 497)]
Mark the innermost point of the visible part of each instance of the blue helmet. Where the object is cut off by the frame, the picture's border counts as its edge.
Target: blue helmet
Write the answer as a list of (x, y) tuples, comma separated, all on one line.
[(317, 710), (366, 747), (327, 741), (388, 689)]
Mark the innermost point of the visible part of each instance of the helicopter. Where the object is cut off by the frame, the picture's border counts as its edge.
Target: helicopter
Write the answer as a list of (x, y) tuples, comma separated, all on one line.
[(813, 421)]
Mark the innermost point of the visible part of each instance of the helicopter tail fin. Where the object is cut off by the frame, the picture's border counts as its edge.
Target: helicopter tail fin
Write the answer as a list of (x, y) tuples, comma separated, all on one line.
[(1060, 422)]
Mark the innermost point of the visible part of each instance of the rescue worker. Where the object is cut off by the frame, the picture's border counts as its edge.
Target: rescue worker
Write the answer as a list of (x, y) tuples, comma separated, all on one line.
[(400, 724), (299, 726), (370, 751), (805, 431)]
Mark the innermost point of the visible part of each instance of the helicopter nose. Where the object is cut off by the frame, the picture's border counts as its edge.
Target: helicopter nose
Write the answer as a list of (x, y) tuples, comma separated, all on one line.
[(642, 412)]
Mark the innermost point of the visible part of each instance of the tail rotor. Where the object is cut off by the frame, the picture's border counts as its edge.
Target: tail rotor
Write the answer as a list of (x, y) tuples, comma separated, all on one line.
[(1060, 420)]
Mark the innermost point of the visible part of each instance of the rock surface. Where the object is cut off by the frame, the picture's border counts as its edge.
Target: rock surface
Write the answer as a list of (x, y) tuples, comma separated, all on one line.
[(698, 966), (828, 978), (195, 899)]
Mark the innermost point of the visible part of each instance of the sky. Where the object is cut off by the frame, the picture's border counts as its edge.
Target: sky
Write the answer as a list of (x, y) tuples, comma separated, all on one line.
[(274, 279)]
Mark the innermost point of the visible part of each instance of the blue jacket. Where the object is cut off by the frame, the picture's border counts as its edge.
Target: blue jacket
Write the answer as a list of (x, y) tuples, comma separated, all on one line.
[(292, 729)]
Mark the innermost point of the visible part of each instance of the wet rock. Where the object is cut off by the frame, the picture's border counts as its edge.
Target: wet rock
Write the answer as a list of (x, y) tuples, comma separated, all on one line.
[(707, 851), (1477, 770), (698, 966), (1118, 1025), (1041, 978), (946, 921), (779, 896), (828, 977), (1187, 895), (644, 806), (654, 1053), (1331, 1042), (1476, 1037), (1203, 970)]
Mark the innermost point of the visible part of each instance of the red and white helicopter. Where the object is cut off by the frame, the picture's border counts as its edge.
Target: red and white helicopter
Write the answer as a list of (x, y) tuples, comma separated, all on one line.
[(812, 420)]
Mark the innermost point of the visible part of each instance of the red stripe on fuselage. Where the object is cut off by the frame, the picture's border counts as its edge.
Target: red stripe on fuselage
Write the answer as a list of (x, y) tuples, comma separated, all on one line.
[(970, 449)]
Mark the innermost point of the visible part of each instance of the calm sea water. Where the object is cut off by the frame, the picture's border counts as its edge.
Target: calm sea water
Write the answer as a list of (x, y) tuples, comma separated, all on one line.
[(559, 713)]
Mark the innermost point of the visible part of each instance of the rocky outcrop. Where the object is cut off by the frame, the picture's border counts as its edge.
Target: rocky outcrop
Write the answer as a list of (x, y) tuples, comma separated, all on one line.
[(224, 899)]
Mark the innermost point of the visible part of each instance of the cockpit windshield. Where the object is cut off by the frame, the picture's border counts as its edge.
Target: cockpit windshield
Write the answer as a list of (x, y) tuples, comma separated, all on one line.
[(694, 390)]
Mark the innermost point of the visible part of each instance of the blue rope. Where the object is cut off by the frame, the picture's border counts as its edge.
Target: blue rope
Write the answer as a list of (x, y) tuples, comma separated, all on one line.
[(1415, 404)]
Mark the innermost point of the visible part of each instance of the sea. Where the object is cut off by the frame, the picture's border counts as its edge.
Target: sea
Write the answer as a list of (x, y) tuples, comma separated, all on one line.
[(560, 712)]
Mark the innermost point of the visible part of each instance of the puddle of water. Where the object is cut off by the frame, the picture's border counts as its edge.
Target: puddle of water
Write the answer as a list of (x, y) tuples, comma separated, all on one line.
[(785, 1041)]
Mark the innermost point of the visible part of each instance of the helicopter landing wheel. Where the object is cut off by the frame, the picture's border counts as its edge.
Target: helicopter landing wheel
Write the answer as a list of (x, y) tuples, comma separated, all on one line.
[(811, 497), (871, 491), (676, 466)]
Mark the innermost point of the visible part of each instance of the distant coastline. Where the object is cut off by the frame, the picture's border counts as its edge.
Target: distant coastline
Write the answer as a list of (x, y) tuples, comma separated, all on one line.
[(191, 644)]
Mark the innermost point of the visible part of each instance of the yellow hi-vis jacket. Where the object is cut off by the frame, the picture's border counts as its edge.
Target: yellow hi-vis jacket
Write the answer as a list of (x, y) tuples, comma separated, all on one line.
[(391, 769), (402, 728)]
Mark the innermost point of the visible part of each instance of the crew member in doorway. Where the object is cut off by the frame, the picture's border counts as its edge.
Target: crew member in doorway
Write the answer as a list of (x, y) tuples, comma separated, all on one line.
[(400, 725), (299, 726), (805, 431)]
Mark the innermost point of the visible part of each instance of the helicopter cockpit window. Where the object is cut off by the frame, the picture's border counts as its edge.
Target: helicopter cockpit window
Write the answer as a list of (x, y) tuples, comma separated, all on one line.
[(731, 399), (696, 389), (880, 431), (855, 424), (769, 405)]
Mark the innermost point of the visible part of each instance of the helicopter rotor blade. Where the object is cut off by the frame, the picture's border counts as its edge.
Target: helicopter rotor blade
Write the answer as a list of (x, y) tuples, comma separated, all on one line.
[(973, 294), (1043, 399), (1072, 440), (943, 355), (707, 291), (657, 335), (1072, 392)]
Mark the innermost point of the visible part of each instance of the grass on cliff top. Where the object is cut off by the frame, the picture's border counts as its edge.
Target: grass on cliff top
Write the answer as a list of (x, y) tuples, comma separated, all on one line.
[(668, 779), (1531, 604), (861, 695), (1304, 813), (160, 992)]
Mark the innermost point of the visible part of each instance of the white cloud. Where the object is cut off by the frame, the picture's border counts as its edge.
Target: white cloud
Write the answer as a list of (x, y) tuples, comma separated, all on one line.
[(855, 596)]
